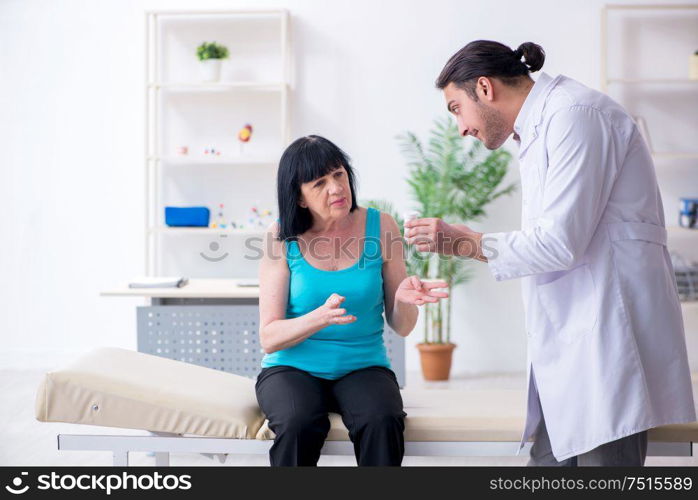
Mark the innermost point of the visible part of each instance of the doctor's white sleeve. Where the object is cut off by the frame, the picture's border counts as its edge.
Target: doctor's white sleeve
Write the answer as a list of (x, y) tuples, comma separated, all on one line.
[(583, 161)]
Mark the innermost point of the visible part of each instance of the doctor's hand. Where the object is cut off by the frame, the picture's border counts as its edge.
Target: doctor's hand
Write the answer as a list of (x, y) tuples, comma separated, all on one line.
[(434, 235), (331, 314), (413, 290)]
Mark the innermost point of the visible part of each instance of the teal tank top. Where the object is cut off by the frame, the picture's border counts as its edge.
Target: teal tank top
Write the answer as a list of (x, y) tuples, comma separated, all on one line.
[(336, 350)]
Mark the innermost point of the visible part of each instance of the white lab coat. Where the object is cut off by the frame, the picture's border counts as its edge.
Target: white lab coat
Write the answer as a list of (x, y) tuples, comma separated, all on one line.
[(606, 347)]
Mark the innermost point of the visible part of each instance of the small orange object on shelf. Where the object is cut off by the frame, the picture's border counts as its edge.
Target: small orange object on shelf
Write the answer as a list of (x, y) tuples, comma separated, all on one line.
[(245, 133)]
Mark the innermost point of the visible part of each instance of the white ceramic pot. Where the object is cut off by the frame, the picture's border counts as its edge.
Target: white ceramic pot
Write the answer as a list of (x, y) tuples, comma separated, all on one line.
[(210, 70)]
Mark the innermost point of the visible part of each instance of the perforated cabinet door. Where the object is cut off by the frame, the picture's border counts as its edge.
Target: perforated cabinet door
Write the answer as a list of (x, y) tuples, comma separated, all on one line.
[(222, 337)]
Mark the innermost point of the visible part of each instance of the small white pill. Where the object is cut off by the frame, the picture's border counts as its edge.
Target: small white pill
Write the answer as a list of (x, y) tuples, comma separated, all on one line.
[(410, 215)]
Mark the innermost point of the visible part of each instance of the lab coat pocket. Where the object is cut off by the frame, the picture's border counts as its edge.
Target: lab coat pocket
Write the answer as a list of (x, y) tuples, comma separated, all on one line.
[(569, 302)]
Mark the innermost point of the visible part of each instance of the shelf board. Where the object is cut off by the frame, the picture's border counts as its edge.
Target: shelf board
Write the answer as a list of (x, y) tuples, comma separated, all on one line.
[(651, 7), (206, 230), (652, 80), (195, 87), (219, 162), (196, 288), (197, 15), (669, 155)]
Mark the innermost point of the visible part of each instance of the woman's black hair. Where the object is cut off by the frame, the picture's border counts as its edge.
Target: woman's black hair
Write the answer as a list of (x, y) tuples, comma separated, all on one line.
[(490, 59), (305, 160)]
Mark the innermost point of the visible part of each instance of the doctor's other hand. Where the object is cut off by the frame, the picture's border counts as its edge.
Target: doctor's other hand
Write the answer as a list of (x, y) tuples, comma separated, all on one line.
[(413, 290), (434, 235), (331, 314)]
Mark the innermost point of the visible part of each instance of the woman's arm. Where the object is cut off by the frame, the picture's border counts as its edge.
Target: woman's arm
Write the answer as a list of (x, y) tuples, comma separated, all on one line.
[(275, 331), (400, 316), (401, 293)]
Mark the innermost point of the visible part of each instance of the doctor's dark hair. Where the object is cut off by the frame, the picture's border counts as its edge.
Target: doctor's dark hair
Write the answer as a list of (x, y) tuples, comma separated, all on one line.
[(490, 59), (305, 160)]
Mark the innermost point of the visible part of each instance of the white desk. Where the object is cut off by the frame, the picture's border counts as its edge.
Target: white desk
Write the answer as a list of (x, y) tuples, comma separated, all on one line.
[(195, 289), (207, 322), (213, 323)]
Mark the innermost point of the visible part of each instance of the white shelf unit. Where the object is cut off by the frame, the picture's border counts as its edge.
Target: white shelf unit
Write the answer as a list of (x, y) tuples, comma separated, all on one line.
[(672, 19), (205, 230), (650, 81), (682, 174), (647, 72), (183, 110)]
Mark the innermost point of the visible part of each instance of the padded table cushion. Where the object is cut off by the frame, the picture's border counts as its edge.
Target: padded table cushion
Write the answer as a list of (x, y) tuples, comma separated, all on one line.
[(450, 415), (121, 388), (475, 415), (141, 391)]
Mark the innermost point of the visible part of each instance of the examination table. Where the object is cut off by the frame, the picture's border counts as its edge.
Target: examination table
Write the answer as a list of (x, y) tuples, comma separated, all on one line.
[(189, 408)]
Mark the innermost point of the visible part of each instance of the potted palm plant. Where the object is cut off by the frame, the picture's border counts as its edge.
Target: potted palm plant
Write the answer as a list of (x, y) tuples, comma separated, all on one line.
[(453, 183), (211, 54)]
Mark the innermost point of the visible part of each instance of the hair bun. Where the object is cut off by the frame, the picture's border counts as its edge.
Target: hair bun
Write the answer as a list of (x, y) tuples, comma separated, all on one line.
[(533, 54)]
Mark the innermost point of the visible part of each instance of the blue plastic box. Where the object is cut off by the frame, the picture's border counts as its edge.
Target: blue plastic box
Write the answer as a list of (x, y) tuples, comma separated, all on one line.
[(187, 216), (688, 212)]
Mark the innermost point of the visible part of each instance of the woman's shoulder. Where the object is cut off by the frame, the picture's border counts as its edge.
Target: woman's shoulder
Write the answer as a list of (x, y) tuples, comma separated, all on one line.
[(389, 235), (375, 219), (387, 223), (384, 217), (272, 243), (273, 230), (389, 231)]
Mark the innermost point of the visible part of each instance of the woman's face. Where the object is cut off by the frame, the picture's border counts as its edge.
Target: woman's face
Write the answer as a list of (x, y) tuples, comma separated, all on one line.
[(329, 196)]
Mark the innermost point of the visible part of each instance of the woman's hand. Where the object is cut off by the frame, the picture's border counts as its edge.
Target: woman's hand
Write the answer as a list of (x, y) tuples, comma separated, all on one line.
[(412, 290), (331, 314)]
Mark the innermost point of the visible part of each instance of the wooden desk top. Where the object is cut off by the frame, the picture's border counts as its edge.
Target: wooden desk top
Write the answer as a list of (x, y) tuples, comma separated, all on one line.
[(196, 288)]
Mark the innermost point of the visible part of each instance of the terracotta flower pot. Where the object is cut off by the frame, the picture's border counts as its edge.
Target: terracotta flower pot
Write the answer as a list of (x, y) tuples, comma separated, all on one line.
[(436, 360)]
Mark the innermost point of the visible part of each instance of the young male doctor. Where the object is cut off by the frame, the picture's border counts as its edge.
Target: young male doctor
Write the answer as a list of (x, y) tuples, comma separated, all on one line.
[(606, 349)]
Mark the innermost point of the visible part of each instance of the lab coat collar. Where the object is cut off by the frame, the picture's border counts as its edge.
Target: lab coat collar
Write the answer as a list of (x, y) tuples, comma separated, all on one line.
[(531, 113)]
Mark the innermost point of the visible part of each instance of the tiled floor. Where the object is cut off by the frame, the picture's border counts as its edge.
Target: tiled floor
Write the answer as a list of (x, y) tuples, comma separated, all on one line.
[(29, 442)]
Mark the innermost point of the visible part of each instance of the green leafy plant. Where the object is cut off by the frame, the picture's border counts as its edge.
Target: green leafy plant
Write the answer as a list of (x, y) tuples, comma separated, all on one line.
[(211, 50), (451, 183)]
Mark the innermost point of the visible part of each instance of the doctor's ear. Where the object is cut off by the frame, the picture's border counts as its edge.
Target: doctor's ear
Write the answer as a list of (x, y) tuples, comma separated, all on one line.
[(484, 88), (302, 203)]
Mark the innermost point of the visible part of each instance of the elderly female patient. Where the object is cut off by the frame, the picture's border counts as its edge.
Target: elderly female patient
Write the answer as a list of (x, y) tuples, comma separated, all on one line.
[(330, 270)]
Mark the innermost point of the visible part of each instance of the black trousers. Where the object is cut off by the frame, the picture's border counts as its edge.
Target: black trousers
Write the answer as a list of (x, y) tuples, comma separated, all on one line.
[(297, 406)]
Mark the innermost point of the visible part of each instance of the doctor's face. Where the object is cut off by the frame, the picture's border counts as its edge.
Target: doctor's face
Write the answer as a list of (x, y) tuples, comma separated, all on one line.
[(476, 118)]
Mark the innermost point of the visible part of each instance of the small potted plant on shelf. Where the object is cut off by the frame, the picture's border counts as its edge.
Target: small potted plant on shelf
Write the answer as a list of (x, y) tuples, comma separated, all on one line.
[(211, 54), (453, 184)]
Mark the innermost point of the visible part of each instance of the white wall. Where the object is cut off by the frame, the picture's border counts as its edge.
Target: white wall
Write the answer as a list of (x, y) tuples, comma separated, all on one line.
[(71, 136)]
